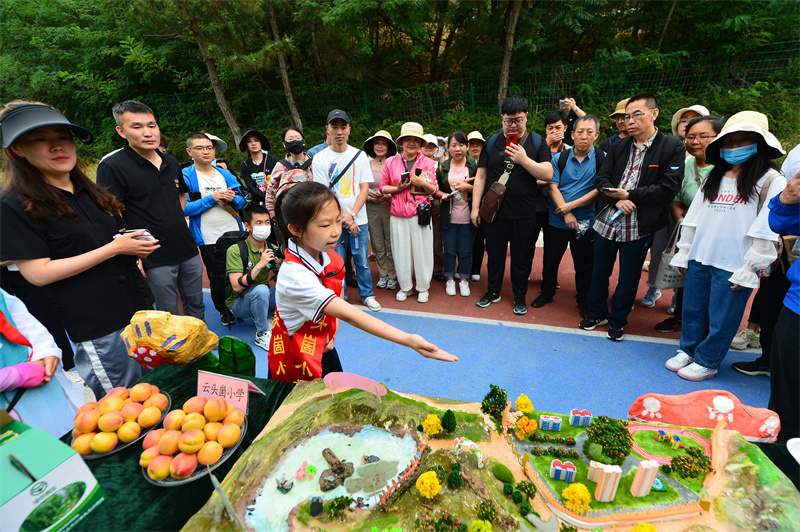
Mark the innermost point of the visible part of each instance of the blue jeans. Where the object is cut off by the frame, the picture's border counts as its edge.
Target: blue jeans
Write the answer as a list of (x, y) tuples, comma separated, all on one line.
[(458, 243), (363, 275), (631, 259), (257, 302), (708, 288)]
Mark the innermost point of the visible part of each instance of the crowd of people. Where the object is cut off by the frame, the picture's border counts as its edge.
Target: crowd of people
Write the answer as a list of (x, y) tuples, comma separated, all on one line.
[(280, 240)]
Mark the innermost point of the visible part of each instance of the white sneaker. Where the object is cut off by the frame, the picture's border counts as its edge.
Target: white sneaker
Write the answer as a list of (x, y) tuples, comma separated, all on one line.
[(450, 288), (382, 282), (679, 361), (463, 288), (402, 295), (262, 340), (391, 284), (476, 277), (422, 297), (372, 303), (695, 372), (457, 276)]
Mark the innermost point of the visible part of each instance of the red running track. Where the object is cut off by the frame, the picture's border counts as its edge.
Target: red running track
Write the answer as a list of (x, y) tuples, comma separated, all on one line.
[(672, 430)]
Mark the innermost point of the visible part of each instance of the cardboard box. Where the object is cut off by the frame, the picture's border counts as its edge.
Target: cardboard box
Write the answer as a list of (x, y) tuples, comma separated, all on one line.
[(64, 491)]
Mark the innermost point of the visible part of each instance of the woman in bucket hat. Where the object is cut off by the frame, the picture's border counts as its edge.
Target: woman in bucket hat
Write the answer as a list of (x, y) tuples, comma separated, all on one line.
[(412, 242), (257, 168), (726, 241), (379, 147)]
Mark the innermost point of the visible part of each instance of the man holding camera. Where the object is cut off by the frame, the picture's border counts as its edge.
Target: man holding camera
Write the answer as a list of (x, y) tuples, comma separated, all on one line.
[(567, 104), (521, 159), (249, 295)]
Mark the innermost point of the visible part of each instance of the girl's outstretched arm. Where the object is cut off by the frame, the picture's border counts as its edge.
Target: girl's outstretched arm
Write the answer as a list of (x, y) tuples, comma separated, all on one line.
[(339, 308)]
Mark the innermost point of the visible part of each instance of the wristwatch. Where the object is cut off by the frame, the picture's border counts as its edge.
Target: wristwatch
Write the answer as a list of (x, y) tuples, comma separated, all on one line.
[(352, 214)]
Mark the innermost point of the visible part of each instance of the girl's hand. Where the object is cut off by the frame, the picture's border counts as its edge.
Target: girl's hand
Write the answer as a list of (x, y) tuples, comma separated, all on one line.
[(465, 187), (428, 350), (50, 364), (737, 287), (128, 245), (681, 271)]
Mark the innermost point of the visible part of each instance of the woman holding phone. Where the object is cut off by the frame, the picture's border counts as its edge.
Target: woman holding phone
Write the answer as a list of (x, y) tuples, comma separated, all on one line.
[(65, 232)]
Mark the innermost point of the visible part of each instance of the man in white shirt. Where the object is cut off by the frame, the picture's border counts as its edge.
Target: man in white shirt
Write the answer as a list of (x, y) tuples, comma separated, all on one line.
[(346, 171)]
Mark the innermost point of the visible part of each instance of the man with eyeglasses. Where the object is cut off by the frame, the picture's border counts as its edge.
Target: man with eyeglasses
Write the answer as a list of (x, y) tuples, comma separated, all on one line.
[(528, 161), (214, 198), (151, 187), (637, 181), (618, 116)]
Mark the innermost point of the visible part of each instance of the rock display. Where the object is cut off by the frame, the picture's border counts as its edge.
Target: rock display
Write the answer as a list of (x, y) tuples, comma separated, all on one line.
[(336, 474)]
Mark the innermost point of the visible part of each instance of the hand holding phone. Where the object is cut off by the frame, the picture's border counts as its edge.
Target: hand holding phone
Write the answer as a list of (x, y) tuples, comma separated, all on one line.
[(512, 139), (405, 178)]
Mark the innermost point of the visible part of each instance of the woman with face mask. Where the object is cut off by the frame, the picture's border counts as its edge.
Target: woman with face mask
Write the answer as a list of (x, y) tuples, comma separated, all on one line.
[(725, 241), (297, 160)]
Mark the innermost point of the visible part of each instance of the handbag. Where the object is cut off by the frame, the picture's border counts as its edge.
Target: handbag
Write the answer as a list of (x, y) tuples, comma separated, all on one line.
[(493, 199), (666, 276)]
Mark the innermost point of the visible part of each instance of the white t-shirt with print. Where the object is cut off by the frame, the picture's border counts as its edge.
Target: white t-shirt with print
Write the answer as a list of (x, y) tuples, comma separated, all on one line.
[(327, 164), (216, 220), (726, 226)]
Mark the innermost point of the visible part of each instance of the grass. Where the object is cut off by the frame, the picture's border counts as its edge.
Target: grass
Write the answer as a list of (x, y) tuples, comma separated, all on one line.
[(566, 428), (646, 440)]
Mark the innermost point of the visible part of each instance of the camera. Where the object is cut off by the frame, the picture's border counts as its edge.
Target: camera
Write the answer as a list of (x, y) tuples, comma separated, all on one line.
[(562, 102), (424, 214)]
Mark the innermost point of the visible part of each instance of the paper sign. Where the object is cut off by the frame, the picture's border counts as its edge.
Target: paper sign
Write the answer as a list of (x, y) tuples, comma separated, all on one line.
[(235, 391)]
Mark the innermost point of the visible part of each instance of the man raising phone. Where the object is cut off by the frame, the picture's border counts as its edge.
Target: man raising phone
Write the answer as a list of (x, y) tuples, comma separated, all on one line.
[(528, 159)]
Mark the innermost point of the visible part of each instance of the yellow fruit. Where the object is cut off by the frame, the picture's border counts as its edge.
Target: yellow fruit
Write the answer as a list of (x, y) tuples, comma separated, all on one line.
[(237, 416), (158, 468), (104, 442), (119, 391), (193, 421), (129, 431), (209, 453), (81, 444), (228, 435), (110, 422), (216, 409), (148, 455), (87, 421), (183, 465), (111, 403), (141, 392), (88, 406), (157, 399), (172, 421), (151, 440), (149, 417), (191, 441), (168, 444), (131, 411), (195, 405), (210, 431)]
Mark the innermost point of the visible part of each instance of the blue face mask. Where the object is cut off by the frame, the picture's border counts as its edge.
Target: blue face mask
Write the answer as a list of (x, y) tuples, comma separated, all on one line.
[(738, 155)]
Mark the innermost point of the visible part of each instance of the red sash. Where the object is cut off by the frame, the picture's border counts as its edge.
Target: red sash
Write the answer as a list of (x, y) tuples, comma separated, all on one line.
[(299, 357)]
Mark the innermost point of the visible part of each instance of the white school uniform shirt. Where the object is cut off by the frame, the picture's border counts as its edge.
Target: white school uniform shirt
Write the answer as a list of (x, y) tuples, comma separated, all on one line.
[(299, 294), (327, 164)]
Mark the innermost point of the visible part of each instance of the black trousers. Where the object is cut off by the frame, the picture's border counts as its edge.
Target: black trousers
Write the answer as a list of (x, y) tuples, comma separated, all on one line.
[(767, 305), (582, 250), (218, 285), (478, 248), (785, 374), (520, 235)]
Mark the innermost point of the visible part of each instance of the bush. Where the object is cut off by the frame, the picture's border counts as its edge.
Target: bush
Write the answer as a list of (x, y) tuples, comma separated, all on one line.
[(546, 438), (480, 525), (536, 436), (454, 479), (508, 489), (432, 426), (486, 511), (666, 468), (517, 497), (337, 506), (525, 509), (449, 421), (577, 497), (568, 528), (573, 453), (538, 450), (528, 488), (503, 473), (440, 472), (494, 403), (558, 438), (456, 466), (569, 439)]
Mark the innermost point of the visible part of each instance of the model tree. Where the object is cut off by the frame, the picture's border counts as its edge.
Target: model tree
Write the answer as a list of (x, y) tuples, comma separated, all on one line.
[(524, 404), (495, 402), (577, 497), (692, 463), (449, 421), (612, 435)]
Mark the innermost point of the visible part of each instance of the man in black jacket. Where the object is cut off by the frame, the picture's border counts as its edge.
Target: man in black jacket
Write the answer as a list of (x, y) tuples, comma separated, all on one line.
[(638, 180)]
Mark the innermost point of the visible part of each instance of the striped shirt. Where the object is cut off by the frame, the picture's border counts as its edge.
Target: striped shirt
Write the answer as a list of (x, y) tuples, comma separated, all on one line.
[(627, 225)]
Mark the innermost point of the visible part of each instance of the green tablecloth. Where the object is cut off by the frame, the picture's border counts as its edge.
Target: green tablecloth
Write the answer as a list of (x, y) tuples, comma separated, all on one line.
[(131, 502)]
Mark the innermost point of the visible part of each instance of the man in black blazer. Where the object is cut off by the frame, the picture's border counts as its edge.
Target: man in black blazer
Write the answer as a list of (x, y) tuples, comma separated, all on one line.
[(638, 180)]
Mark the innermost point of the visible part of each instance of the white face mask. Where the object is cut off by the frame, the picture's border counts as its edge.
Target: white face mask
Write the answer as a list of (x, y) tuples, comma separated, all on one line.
[(439, 152), (262, 232)]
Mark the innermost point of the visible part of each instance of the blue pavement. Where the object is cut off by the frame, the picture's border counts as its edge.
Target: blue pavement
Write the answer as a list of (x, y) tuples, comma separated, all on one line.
[(558, 368)]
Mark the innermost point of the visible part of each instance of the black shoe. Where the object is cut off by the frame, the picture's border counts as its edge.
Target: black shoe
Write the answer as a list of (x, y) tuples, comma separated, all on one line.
[(439, 277), (615, 333), (541, 301), (588, 324), (751, 368), (487, 299), (227, 318), (520, 307), (351, 281), (583, 309), (669, 325)]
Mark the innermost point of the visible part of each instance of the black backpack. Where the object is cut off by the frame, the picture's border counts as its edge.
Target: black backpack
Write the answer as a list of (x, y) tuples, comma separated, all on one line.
[(599, 157), (224, 242)]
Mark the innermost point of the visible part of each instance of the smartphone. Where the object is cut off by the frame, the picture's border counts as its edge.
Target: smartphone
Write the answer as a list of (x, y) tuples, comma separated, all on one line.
[(512, 139), (605, 189), (405, 177), (145, 236)]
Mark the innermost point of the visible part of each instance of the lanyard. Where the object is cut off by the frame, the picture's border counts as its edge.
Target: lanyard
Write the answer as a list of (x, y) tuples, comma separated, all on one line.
[(405, 163)]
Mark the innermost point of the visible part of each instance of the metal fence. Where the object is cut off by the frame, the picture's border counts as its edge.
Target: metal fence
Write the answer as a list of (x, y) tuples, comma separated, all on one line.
[(606, 78)]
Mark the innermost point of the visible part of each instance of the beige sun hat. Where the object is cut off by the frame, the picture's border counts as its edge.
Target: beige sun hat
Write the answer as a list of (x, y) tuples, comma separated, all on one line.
[(751, 122), (219, 144), (620, 110), (430, 139), (369, 144), (475, 135), (677, 116), (412, 129)]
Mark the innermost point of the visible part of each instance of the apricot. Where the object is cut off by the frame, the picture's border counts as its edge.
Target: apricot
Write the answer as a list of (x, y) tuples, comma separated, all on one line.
[(193, 421), (157, 399), (230, 409), (141, 392), (158, 468), (216, 409), (149, 417), (131, 411), (154, 389), (87, 421), (210, 431), (191, 441), (228, 435), (127, 402), (110, 422), (195, 405), (168, 444), (82, 443), (148, 455), (237, 416), (119, 391), (104, 442), (88, 406), (129, 431), (183, 465), (76, 433), (209, 453), (110, 404), (152, 437), (173, 420)]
